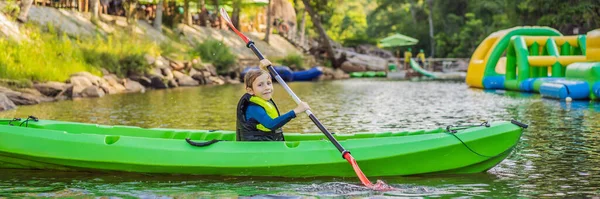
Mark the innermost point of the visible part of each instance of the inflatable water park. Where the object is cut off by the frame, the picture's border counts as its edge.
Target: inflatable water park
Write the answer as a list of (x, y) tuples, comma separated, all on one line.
[(538, 60)]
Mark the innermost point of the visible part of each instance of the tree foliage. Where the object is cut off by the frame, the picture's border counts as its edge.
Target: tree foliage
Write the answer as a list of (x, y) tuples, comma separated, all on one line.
[(460, 25)]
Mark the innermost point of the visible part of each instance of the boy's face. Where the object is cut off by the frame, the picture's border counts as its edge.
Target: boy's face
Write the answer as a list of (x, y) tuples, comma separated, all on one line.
[(262, 87)]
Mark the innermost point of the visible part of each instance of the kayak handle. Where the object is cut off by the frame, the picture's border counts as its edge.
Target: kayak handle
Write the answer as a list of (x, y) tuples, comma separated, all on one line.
[(520, 124)]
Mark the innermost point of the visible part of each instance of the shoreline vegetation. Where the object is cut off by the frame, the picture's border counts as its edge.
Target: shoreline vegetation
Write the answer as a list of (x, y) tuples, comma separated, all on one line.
[(62, 54)]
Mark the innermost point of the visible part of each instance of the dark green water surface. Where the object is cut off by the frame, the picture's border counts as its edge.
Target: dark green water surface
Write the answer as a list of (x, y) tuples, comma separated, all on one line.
[(559, 155)]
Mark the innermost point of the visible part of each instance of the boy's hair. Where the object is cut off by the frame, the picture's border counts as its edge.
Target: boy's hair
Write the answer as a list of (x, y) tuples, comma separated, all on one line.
[(252, 75)]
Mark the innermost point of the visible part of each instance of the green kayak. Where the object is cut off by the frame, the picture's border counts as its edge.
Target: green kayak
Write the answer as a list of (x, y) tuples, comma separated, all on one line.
[(370, 74), (56, 145), (356, 74)]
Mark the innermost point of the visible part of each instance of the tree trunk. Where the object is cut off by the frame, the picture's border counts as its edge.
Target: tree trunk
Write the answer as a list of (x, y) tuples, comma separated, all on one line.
[(268, 33), (25, 5), (236, 13), (95, 7), (314, 17), (432, 39), (203, 12), (130, 6), (158, 18), (186, 13), (413, 12), (302, 27), (216, 2)]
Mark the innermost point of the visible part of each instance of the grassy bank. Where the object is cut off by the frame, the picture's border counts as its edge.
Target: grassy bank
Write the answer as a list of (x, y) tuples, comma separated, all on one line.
[(53, 56)]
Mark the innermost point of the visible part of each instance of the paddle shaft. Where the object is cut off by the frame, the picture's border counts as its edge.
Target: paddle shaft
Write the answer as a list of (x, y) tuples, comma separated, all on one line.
[(297, 100)]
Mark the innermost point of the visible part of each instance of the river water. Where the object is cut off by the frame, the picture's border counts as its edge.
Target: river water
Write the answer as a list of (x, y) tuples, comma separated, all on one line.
[(559, 155)]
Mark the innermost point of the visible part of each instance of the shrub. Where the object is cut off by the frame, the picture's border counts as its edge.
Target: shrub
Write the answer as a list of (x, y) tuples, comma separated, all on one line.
[(293, 61), (123, 57), (217, 53)]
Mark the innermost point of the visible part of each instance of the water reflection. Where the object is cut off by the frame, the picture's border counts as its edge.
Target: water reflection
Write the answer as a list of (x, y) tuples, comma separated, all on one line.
[(558, 155)]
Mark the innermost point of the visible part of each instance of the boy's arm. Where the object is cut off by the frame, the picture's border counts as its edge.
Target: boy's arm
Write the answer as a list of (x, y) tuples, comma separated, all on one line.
[(259, 114)]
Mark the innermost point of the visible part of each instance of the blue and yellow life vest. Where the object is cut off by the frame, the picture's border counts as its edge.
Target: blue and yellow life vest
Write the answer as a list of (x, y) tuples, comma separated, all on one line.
[(252, 130)]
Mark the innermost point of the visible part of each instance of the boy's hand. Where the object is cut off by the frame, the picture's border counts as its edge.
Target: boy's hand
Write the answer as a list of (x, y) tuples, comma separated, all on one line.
[(303, 106), (264, 63)]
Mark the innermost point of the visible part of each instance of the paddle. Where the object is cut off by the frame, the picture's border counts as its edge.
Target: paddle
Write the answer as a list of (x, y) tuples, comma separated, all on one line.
[(380, 185)]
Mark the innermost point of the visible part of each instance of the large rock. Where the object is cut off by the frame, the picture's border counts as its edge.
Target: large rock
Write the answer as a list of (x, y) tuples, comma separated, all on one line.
[(200, 78), (340, 74), (149, 59), (145, 81), (349, 67), (5, 103), (184, 80), (133, 86), (217, 80), (41, 97), (50, 88), (175, 64), (65, 94), (115, 83), (167, 73), (92, 91), (212, 71), (95, 80), (79, 84), (19, 98), (371, 63), (161, 62), (158, 82), (192, 72), (172, 83)]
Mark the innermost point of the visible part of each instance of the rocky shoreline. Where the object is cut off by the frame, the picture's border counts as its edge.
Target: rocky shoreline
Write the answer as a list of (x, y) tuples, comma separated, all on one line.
[(165, 73)]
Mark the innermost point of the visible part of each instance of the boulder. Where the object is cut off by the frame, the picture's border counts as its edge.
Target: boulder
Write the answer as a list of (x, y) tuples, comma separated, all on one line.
[(95, 80), (133, 86), (19, 98), (80, 81), (350, 67), (79, 84), (65, 94), (5, 103), (210, 68), (340, 74), (158, 83), (172, 83), (192, 72), (149, 59), (175, 64), (161, 62), (92, 91), (141, 79), (371, 63), (184, 80), (200, 78), (230, 80), (114, 83), (167, 73), (41, 97), (108, 89), (216, 80), (50, 88)]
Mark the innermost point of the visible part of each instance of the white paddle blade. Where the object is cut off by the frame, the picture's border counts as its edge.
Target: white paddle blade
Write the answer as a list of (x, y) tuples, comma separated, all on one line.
[(225, 15)]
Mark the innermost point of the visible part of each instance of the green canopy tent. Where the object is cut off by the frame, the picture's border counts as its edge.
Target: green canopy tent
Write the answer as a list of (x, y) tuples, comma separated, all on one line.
[(398, 40)]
